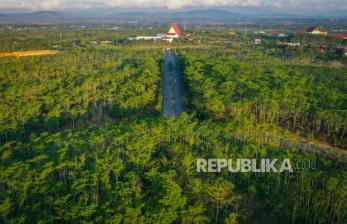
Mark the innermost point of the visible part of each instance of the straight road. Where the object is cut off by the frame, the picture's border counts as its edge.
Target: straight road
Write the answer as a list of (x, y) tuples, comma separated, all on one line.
[(172, 99)]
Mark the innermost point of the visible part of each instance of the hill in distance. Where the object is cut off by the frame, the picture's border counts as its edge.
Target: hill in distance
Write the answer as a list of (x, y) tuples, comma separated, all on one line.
[(193, 14), (208, 13), (41, 15)]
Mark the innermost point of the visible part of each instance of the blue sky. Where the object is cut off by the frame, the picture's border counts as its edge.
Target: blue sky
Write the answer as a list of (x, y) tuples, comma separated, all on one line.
[(289, 6)]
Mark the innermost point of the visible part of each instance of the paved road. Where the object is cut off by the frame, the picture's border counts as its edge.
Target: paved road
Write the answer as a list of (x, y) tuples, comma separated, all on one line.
[(172, 100)]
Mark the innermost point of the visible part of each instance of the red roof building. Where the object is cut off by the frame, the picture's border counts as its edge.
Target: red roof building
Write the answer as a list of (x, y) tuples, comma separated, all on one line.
[(317, 30), (174, 31), (313, 30), (300, 31), (340, 35)]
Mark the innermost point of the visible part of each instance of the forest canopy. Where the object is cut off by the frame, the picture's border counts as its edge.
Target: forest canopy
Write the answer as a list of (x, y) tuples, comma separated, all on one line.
[(82, 139)]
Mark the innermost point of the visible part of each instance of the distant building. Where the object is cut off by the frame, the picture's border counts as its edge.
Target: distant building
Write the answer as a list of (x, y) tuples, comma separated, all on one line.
[(282, 35), (147, 38), (105, 42), (259, 32), (316, 31), (340, 35), (257, 41), (292, 44), (300, 31), (93, 42), (173, 33), (313, 30), (168, 39)]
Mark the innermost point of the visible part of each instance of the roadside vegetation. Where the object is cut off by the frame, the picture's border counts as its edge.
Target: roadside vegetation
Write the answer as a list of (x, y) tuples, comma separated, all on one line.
[(82, 139)]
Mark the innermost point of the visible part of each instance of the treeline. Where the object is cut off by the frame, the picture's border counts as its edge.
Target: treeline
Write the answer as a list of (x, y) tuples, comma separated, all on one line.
[(313, 49), (34, 39), (50, 92), (309, 99), (142, 171)]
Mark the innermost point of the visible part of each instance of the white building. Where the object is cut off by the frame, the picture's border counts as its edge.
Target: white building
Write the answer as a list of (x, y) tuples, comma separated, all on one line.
[(257, 41), (173, 33), (147, 38), (292, 44)]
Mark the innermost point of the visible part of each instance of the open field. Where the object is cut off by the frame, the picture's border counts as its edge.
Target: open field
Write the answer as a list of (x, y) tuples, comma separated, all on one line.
[(28, 53)]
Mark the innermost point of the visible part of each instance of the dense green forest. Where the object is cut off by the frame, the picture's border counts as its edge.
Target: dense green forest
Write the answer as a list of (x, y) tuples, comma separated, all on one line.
[(76, 86), (258, 91), (82, 139)]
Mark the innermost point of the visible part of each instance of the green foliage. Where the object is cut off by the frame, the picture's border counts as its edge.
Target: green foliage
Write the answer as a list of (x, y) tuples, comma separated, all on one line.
[(82, 139), (308, 99), (48, 93)]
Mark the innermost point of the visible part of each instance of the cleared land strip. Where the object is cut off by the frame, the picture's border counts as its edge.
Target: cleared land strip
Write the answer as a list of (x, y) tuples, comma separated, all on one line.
[(28, 53), (172, 98), (167, 90)]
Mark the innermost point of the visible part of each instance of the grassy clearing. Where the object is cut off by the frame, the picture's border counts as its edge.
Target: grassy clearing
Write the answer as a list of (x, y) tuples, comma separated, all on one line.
[(28, 53)]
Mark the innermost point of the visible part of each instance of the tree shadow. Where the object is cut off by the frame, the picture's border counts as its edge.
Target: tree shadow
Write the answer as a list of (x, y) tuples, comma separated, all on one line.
[(94, 115)]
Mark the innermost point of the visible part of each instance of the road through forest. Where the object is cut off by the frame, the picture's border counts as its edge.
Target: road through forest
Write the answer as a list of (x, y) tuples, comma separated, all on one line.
[(172, 97)]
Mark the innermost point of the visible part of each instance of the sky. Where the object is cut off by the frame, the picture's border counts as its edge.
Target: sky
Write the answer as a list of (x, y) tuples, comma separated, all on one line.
[(273, 5)]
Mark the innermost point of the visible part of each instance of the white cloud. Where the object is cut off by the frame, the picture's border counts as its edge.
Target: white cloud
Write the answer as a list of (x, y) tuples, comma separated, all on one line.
[(37, 5), (31, 4), (172, 4), (177, 4), (48, 4)]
